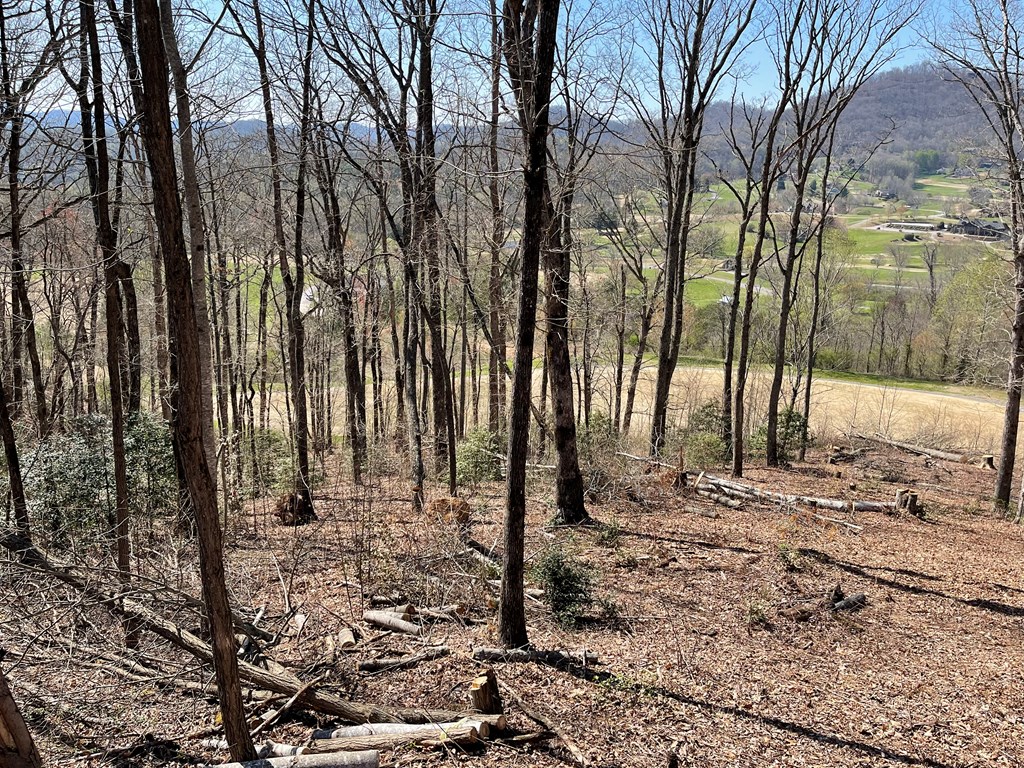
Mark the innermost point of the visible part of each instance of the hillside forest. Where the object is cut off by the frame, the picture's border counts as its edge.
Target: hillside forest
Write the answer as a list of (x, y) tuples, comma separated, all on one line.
[(341, 336)]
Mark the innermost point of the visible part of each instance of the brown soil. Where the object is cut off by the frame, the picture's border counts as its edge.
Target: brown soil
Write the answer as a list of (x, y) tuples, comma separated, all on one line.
[(701, 654)]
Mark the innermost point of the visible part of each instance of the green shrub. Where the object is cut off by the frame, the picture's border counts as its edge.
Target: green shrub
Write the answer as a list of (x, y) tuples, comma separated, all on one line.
[(833, 360), (706, 418), (705, 450), (270, 466), (789, 434), (596, 439), (70, 479), (478, 457), (610, 535), (567, 584)]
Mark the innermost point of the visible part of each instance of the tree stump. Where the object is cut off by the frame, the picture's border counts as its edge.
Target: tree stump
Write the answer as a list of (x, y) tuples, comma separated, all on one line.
[(907, 501), (295, 509), (484, 695), (17, 750)]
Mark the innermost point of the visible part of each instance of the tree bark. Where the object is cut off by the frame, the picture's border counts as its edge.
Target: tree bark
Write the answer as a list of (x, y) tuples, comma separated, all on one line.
[(187, 423), (17, 749), (196, 221), (529, 47)]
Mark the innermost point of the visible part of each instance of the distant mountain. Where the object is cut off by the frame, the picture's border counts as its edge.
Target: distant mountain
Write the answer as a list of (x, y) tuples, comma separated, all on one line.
[(930, 111)]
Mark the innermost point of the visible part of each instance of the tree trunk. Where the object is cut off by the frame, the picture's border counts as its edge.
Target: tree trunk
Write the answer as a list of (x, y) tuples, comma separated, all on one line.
[(569, 506), (17, 750), (1014, 383), (16, 485), (530, 54), (196, 221), (188, 421)]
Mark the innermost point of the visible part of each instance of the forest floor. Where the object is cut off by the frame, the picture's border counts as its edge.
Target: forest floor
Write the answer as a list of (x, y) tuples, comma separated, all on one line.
[(711, 640)]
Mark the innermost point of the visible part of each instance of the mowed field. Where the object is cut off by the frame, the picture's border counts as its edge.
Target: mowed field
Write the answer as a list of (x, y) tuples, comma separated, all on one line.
[(965, 418), (948, 416)]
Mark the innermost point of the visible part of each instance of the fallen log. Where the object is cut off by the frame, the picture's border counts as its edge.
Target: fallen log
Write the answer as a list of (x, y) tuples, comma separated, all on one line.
[(920, 450), (525, 656), (427, 736), (482, 727), (403, 662), (392, 621), (719, 498), (126, 609), (646, 459), (490, 722), (267, 749), (363, 759), (717, 486), (346, 639), (851, 603)]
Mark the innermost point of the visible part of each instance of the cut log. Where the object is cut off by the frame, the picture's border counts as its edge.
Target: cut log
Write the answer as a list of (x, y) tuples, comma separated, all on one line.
[(491, 723), (907, 501), (126, 609), (718, 498), (377, 729), (346, 639), (702, 511), (392, 621), (851, 603), (731, 493), (267, 749), (912, 504), (403, 662), (525, 656), (920, 450), (484, 695), (363, 759), (462, 735)]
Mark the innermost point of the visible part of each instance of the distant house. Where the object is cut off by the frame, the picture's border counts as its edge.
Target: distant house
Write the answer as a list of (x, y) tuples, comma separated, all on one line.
[(912, 226), (980, 228), (885, 194)]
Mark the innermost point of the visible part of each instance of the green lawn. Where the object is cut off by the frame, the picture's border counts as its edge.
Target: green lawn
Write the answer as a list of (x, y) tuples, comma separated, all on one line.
[(700, 293), (868, 242)]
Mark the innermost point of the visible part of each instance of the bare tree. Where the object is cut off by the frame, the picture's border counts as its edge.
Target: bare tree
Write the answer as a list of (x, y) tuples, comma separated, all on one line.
[(28, 53), (981, 46), (292, 265), (187, 422), (691, 46), (531, 30), (387, 53), (840, 45)]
